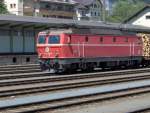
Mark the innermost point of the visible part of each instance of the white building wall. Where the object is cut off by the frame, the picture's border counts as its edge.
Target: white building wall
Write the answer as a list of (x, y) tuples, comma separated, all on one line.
[(14, 6), (141, 19)]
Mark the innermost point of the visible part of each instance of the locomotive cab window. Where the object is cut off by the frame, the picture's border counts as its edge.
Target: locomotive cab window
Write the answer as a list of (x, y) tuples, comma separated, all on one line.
[(54, 39), (41, 39)]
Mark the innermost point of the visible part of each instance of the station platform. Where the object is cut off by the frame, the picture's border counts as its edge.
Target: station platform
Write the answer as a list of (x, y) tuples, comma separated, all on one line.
[(15, 59)]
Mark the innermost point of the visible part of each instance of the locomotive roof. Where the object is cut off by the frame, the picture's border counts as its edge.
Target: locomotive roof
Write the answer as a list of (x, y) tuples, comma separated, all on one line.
[(95, 31)]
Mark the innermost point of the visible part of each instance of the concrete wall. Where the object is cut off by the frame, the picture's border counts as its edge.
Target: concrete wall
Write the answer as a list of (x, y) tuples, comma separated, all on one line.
[(18, 59)]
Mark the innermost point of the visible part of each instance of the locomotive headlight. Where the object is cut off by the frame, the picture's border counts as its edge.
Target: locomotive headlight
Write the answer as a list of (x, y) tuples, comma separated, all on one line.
[(47, 49)]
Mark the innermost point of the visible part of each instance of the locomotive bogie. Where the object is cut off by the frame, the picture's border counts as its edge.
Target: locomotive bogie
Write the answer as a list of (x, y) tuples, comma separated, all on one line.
[(63, 65)]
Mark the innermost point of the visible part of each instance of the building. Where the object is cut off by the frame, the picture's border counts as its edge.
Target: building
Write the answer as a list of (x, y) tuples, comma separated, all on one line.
[(110, 4), (42, 8), (57, 8), (14, 6), (89, 10), (142, 17)]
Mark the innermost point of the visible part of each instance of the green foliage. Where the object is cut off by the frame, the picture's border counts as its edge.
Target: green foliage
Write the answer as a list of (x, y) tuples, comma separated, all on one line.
[(124, 9), (3, 9)]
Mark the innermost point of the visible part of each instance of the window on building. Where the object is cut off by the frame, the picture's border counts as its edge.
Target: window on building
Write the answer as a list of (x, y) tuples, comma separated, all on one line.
[(148, 17), (60, 7), (11, 5), (95, 13), (83, 13), (91, 13), (14, 5), (47, 6), (114, 39)]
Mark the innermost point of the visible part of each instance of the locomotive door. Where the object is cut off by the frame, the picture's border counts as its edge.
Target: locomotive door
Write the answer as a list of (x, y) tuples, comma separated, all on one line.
[(132, 49), (81, 49), (78, 44)]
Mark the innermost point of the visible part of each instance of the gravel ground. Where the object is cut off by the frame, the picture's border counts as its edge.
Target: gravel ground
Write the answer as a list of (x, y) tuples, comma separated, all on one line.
[(120, 105)]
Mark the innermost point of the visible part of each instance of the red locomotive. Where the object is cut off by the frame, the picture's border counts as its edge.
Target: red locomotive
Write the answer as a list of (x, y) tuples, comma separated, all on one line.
[(86, 49)]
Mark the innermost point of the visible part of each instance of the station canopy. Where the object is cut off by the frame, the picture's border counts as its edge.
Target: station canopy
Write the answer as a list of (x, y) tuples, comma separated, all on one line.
[(48, 23)]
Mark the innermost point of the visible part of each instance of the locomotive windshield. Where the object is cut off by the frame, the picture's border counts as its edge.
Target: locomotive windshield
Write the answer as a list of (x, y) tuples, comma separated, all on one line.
[(41, 39), (54, 39)]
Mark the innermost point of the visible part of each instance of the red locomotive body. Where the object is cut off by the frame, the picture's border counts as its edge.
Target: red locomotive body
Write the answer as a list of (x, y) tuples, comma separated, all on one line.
[(67, 50)]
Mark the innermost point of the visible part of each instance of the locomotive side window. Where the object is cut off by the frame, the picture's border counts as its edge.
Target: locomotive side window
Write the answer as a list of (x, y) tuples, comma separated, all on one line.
[(54, 39), (126, 39), (114, 39), (86, 38), (101, 39), (41, 39)]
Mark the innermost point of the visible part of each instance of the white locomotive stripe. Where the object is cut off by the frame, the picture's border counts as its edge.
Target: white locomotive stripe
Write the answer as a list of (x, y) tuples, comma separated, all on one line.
[(51, 45)]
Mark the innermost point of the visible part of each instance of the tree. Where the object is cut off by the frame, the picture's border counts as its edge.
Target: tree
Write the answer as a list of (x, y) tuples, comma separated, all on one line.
[(3, 8), (124, 9)]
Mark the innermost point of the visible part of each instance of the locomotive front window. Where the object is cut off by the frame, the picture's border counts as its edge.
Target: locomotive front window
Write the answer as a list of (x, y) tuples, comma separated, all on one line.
[(54, 39), (42, 39)]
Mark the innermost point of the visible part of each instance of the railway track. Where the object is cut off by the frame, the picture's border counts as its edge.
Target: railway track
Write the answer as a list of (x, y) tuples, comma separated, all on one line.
[(13, 69), (21, 86), (145, 110), (10, 67), (78, 75), (11, 87), (39, 86), (66, 98)]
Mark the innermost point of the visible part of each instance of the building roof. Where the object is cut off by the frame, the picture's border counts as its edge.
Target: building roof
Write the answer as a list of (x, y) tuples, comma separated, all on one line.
[(60, 1), (81, 6), (84, 2), (136, 14)]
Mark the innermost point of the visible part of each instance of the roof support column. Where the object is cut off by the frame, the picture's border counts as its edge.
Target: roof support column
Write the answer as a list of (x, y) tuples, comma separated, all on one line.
[(35, 36), (23, 36), (11, 40)]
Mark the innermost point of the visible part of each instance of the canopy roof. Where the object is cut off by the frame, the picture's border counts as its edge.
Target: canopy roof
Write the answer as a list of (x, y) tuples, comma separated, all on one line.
[(12, 21)]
